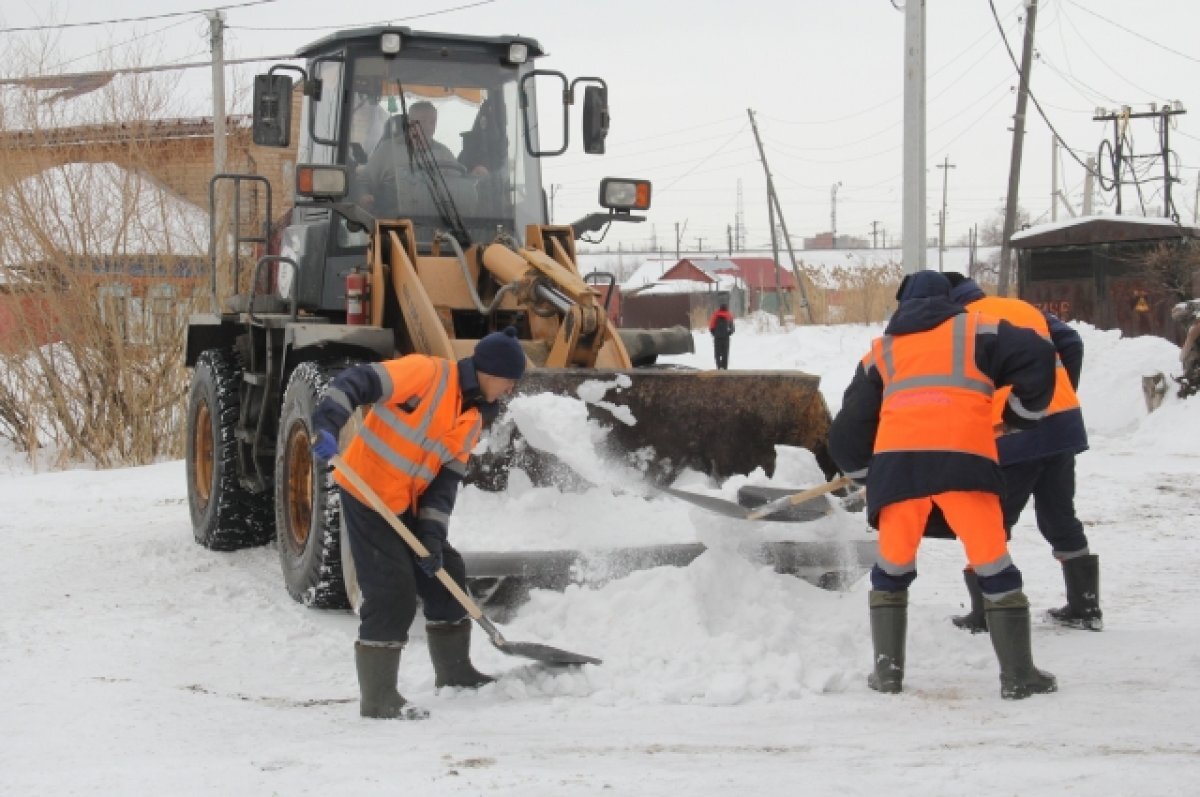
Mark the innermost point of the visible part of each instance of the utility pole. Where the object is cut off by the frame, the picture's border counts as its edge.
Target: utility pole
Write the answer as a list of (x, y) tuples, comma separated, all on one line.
[(1014, 167), (729, 238), (1053, 177), (875, 235), (833, 214), (772, 207), (945, 166), (914, 136), (699, 244), (216, 28), (225, 258), (1120, 120), (1089, 185), (678, 236)]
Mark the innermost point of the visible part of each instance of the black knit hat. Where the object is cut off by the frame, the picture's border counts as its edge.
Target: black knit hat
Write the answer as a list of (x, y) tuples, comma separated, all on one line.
[(500, 354)]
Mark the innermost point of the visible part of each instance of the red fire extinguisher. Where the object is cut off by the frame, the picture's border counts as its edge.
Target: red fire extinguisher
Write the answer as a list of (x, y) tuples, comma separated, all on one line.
[(356, 298)]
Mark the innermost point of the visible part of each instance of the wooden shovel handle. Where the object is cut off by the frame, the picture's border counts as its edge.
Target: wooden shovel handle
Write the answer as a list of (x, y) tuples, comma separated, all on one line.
[(772, 507), (421, 551)]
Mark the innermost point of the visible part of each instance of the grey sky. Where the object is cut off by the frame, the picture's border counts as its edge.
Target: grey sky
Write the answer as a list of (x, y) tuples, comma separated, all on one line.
[(825, 79)]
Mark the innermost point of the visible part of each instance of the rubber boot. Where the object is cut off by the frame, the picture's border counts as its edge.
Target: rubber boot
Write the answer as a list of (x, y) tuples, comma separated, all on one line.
[(972, 621), (1008, 623), (450, 651), (1082, 577), (889, 624), (377, 670)]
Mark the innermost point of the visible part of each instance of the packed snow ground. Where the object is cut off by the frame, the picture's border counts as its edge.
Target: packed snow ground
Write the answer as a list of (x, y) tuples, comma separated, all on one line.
[(134, 662)]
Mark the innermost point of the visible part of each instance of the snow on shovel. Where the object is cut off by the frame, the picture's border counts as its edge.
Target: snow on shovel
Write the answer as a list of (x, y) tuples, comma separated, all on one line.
[(530, 650)]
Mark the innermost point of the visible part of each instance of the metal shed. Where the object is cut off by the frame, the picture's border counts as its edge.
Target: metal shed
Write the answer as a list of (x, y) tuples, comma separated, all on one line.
[(1093, 270)]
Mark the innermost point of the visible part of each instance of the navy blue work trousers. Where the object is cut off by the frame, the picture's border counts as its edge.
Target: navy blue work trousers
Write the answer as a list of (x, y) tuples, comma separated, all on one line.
[(390, 579), (1050, 481)]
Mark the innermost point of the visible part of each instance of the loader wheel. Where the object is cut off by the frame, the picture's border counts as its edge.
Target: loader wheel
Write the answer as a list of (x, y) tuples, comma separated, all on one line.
[(307, 505), (225, 515)]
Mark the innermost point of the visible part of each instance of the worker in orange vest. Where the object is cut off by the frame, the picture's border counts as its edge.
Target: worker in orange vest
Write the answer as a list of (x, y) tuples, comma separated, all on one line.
[(1040, 463), (915, 427), (720, 326), (425, 416)]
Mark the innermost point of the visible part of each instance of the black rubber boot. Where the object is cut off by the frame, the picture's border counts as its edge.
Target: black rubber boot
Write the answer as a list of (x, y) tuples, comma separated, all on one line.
[(450, 652), (377, 670), (1082, 577), (889, 625), (972, 621), (1008, 623)]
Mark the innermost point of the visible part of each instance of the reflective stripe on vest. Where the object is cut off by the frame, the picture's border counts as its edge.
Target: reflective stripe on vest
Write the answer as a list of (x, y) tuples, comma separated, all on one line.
[(1023, 314), (929, 378)]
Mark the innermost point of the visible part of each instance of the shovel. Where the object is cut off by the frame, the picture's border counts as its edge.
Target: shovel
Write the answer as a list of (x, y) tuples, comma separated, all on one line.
[(530, 650), (771, 507), (763, 512)]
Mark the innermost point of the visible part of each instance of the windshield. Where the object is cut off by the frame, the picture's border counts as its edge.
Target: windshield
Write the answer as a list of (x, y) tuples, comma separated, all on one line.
[(475, 166)]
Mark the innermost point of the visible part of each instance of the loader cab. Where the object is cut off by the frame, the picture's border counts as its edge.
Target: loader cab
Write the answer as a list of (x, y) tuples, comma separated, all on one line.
[(371, 93)]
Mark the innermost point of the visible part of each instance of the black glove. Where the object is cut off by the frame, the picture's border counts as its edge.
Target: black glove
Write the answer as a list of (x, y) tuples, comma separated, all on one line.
[(433, 562)]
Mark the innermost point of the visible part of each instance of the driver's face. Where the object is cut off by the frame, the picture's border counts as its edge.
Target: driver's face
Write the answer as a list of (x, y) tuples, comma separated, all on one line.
[(426, 118)]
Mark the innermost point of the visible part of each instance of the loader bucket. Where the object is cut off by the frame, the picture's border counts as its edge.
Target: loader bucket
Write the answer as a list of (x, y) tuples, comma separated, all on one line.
[(717, 422)]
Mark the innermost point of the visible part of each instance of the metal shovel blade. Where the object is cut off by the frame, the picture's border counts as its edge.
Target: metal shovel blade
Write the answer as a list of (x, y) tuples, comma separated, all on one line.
[(532, 650), (544, 653)]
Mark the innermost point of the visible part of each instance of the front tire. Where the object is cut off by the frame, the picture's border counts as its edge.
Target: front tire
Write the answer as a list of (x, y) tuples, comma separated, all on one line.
[(225, 515), (307, 504)]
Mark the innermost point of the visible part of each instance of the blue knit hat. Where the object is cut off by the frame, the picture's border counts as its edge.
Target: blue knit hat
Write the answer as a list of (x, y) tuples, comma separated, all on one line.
[(923, 285), (500, 354)]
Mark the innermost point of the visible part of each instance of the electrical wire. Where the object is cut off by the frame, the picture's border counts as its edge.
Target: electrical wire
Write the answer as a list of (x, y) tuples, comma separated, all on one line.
[(1012, 57), (1134, 32), (63, 25), (389, 21)]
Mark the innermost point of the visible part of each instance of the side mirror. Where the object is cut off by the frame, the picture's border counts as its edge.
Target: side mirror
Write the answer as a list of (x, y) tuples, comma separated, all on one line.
[(595, 119), (272, 110)]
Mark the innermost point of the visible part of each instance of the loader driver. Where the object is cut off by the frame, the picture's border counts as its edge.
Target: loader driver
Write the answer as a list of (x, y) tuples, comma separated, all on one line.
[(425, 415), (390, 179)]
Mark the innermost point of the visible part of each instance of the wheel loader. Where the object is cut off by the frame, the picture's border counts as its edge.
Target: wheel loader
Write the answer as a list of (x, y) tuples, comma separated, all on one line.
[(419, 224)]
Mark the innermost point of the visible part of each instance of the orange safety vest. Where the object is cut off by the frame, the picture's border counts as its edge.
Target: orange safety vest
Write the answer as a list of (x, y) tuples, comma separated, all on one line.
[(1023, 314), (413, 431), (935, 398)]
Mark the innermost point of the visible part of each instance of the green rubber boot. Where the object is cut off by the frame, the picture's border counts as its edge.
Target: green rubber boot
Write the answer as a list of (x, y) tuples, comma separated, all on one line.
[(450, 652), (889, 625), (377, 668), (1008, 623), (974, 620), (1082, 578)]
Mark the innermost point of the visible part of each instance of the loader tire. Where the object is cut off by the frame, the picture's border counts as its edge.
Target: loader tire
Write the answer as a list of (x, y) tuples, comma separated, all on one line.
[(225, 515), (307, 504)]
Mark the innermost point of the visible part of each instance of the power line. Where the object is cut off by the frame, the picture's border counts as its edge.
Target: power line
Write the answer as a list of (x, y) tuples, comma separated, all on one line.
[(63, 25), (389, 21), (1134, 33)]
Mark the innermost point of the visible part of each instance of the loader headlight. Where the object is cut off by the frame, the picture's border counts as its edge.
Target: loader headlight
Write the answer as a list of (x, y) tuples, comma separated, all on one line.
[(618, 193), (389, 43), (518, 53), (321, 182)]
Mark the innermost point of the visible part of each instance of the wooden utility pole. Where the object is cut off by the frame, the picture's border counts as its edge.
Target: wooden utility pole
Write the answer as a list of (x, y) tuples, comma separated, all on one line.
[(945, 166), (1014, 166), (772, 208)]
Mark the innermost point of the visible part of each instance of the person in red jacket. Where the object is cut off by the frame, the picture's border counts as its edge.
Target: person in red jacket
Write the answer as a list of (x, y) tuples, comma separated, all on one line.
[(916, 427), (424, 416), (720, 326)]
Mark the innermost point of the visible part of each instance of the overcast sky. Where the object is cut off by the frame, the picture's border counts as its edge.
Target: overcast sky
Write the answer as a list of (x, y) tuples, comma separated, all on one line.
[(824, 78)]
